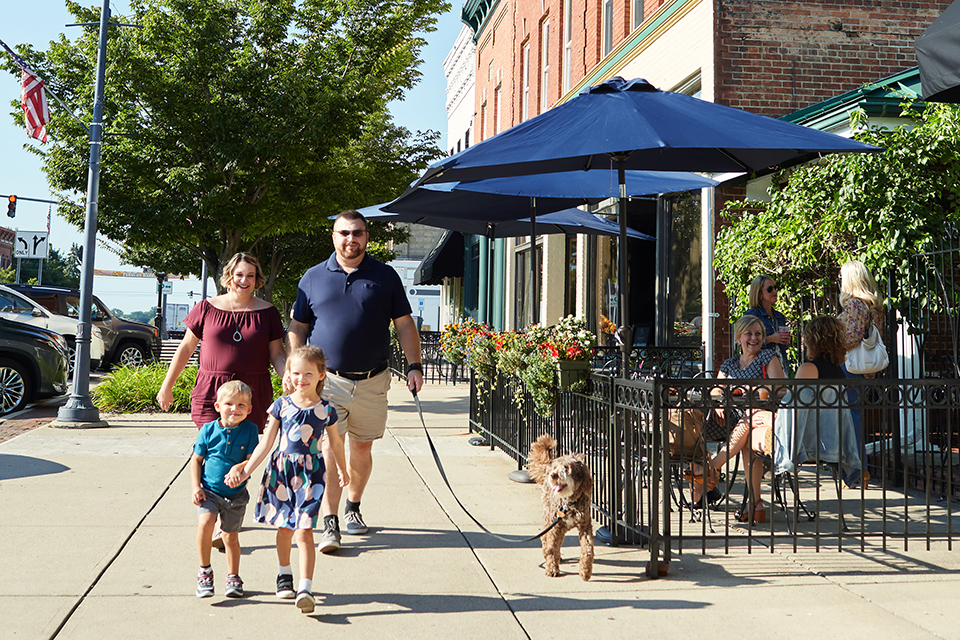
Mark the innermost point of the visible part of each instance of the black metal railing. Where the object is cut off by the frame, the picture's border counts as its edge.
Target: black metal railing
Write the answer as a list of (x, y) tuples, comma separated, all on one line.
[(621, 426), (435, 368)]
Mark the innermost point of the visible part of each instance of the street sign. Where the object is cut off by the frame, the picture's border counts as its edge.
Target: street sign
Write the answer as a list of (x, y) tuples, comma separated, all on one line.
[(31, 244), (166, 288)]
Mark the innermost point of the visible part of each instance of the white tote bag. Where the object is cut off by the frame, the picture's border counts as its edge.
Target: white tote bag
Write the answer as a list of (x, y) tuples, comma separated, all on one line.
[(869, 356)]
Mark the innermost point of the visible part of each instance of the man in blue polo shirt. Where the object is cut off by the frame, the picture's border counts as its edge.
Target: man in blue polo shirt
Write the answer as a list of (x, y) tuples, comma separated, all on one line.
[(344, 306)]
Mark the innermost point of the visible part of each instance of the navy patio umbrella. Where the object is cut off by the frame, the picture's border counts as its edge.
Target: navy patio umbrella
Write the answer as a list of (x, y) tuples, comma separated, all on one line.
[(503, 199), (938, 57), (500, 199), (634, 125), (568, 221)]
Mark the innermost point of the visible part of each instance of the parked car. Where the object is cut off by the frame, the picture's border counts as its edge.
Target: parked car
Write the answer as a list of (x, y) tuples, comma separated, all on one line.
[(33, 364), (125, 342), (18, 307)]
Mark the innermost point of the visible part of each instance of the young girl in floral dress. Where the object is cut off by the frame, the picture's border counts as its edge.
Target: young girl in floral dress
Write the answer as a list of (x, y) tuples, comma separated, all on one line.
[(294, 479)]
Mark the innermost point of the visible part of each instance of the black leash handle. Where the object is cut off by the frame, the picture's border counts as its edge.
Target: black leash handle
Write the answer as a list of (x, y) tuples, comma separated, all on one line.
[(436, 458)]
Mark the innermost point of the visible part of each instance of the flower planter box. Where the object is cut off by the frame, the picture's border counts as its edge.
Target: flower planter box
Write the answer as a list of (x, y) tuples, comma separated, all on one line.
[(570, 372)]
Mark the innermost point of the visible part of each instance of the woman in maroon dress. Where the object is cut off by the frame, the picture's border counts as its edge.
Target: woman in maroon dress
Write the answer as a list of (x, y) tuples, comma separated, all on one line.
[(242, 336)]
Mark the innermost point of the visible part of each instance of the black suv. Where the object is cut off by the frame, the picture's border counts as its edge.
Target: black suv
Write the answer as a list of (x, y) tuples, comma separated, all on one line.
[(124, 342), (33, 364)]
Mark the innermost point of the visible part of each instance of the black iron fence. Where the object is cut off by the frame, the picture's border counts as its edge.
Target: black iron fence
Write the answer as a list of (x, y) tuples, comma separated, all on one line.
[(435, 368), (812, 493)]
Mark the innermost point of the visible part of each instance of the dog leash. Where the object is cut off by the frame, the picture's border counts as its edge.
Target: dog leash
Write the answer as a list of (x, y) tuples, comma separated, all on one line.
[(561, 512)]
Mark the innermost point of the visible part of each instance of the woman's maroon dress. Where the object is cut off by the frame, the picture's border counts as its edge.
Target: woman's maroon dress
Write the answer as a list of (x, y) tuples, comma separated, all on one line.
[(222, 358)]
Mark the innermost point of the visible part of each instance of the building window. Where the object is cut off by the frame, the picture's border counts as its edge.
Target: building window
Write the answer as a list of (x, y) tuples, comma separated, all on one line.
[(690, 86), (523, 285), (525, 82), (545, 66), (637, 12), (483, 121), (496, 110), (490, 71), (466, 139), (570, 285), (607, 27), (567, 42)]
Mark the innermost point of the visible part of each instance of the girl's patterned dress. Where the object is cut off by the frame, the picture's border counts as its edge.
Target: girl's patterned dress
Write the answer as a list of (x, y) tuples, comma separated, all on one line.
[(293, 480)]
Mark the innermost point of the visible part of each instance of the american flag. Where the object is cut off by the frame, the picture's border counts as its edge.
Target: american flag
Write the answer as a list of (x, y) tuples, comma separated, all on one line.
[(32, 99), (34, 103)]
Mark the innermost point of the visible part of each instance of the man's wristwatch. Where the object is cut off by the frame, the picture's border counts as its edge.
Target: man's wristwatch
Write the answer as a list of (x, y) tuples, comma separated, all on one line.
[(414, 366)]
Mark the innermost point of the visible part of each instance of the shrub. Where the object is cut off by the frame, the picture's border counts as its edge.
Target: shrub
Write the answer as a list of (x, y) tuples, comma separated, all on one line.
[(134, 389)]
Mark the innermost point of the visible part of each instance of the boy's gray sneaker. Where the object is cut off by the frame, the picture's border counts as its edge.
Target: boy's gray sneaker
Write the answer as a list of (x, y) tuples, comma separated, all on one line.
[(329, 540), (355, 524), (305, 602), (204, 584)]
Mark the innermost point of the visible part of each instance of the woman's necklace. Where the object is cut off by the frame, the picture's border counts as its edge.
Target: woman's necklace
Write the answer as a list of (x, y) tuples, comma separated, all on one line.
[(237, 336)]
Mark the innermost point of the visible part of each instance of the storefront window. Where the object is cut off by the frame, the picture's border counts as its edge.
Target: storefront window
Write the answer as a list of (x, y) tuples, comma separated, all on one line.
[(685, 304)]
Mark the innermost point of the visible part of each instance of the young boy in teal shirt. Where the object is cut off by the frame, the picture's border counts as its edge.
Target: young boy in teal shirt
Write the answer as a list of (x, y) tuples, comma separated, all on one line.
[(221, 445)]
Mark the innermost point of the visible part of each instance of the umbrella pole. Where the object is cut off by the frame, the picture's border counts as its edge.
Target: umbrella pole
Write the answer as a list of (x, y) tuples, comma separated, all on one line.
[(625, 331), (534, 281)]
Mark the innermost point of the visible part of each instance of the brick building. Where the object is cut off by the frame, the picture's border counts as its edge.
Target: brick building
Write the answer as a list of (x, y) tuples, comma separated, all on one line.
[(767, 57)]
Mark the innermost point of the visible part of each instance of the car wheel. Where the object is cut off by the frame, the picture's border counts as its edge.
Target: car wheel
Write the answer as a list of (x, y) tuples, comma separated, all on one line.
[(14, 386), (130, 354), (71, 356)]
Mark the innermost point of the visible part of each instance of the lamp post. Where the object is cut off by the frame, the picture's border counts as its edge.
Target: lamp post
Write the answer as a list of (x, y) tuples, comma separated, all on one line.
[(79, 411)]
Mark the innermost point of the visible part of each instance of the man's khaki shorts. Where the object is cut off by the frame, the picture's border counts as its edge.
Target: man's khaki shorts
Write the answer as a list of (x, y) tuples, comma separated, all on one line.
[(361, 405)]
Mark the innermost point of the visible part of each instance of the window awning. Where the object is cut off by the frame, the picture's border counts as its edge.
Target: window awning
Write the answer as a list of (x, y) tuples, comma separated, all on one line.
[(445, 260)]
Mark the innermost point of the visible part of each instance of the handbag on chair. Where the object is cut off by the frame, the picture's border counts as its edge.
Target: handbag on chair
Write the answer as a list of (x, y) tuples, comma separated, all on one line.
[(684, 427), (870, 356)]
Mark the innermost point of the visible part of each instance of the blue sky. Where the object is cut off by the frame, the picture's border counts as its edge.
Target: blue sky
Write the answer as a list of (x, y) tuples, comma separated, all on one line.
[(40, 21)]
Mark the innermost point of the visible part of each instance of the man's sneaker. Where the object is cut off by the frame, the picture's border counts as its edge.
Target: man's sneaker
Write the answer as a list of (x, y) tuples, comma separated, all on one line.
[(285, 587), (305, 602), (204, 584), (329, 540), (234, 587), (355, 525)]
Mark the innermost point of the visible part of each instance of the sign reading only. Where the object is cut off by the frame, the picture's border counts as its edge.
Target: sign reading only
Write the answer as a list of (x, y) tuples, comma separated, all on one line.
[(31, 244)]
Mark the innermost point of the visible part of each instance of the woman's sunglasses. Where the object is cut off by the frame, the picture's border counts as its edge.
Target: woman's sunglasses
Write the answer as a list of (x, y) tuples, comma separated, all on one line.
[(771, 288)]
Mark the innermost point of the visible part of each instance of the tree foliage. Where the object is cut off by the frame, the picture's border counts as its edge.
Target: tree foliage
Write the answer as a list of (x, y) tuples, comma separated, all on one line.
[(231, 122), (881, 208)]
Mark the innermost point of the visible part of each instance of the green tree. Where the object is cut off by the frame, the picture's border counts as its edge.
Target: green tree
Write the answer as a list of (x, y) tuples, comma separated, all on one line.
[(881, 208), (229, 122)]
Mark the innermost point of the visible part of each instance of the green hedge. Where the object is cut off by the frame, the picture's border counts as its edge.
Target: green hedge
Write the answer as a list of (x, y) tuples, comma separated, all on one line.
[(134, 389)]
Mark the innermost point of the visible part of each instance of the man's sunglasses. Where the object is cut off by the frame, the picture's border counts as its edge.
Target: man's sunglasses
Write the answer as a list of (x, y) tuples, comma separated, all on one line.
[(356, 233)]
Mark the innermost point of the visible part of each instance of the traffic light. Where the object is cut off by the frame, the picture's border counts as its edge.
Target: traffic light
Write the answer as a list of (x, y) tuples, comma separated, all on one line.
[(12, 206)]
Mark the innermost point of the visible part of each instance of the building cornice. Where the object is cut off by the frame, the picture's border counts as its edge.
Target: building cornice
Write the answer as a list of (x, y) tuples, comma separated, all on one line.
[(475, 13)]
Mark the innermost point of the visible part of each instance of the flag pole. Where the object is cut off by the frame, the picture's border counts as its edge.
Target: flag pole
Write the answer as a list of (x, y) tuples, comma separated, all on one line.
[(79, 411), (23, 65)]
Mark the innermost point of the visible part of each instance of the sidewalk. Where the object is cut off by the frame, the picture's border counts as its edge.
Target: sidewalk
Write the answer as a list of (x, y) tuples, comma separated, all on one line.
[(98, 539)]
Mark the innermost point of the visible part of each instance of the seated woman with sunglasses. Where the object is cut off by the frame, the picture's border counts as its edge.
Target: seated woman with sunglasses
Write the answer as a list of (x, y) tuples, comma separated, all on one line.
[(763, 295), (737, 426)]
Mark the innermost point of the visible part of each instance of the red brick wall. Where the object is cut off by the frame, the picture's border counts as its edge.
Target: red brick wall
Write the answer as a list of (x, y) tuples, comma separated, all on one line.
[(777, 57)]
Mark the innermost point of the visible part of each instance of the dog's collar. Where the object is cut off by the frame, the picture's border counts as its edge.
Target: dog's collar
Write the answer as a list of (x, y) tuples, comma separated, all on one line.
[(562, 511)]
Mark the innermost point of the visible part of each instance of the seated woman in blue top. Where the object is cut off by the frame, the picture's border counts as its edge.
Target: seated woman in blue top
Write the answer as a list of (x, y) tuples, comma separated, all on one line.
[(736, 425), (763, 295)]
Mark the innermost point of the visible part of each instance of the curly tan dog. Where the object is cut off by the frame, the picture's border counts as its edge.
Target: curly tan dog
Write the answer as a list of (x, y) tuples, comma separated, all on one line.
[(567, 486)]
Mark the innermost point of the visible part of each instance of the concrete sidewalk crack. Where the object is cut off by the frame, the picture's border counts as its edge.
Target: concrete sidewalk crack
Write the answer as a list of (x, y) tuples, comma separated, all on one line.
[(116, 555)]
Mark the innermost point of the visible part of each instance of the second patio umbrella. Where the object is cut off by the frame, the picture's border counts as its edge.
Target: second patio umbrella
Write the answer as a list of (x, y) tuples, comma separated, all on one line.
[(938, 57)]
